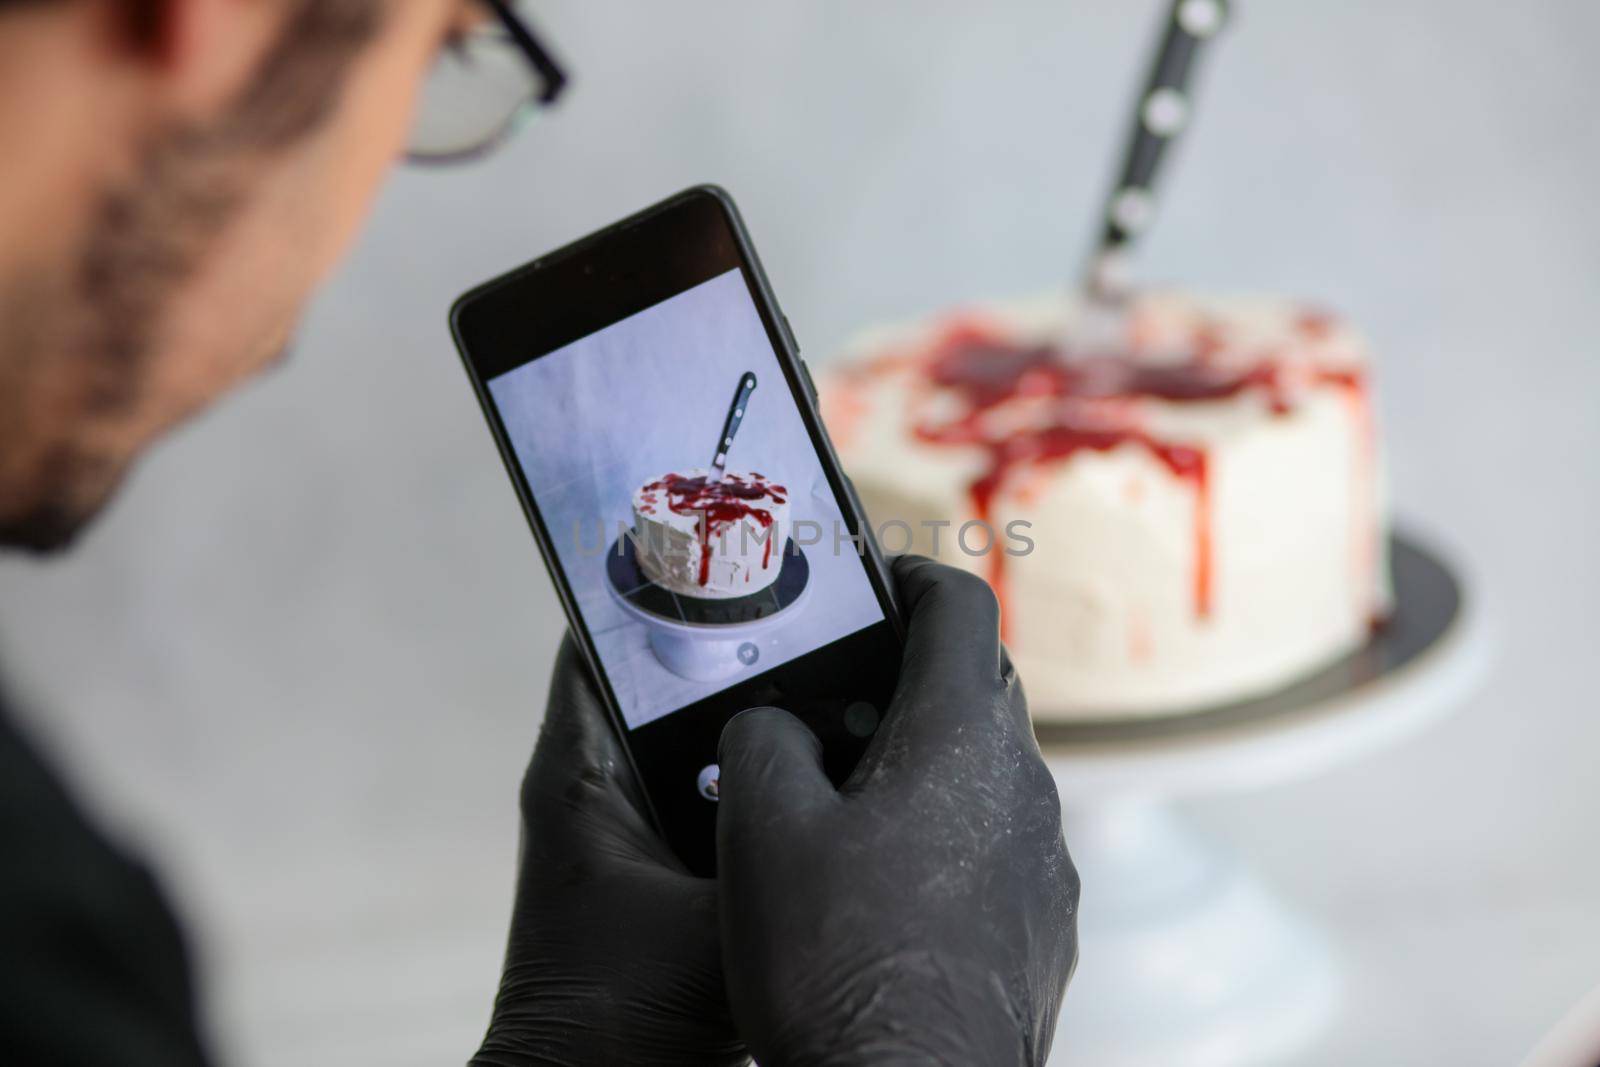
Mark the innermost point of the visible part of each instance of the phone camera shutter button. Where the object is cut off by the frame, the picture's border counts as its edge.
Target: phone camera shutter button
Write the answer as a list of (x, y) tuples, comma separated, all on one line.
[(861, 719)]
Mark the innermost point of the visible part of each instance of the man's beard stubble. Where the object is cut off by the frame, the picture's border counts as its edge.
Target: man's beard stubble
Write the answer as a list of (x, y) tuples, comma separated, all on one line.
[(98, 321), (101, 315)]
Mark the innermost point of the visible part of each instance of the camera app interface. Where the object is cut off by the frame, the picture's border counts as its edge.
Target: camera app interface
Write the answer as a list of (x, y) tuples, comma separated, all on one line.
[(684, 499)]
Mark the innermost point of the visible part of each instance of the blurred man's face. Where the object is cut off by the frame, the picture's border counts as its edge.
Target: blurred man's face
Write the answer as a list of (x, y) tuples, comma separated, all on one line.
[(148, 266)]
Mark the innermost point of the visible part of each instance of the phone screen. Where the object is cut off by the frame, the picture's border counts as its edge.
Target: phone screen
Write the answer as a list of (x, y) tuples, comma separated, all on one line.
[(689, 578), (655, 416)]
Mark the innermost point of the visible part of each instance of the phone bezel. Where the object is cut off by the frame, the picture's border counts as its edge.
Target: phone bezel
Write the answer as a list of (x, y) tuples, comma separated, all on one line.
[(618, 271)]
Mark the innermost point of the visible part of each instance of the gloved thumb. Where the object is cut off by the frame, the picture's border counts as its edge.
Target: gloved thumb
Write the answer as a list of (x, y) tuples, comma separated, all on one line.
[(771, 770)]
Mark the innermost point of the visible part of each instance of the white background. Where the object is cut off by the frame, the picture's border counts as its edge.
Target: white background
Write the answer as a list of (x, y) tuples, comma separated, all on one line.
[(593, 421), (304, 658)]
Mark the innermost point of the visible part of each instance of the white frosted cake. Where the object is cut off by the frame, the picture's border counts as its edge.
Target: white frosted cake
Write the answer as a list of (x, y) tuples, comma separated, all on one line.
[(708, 537), (1205, 505)]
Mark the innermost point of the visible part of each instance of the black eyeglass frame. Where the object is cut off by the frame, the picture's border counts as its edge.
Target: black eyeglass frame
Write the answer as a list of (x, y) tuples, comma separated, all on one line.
[(552, 81), (552, 78)]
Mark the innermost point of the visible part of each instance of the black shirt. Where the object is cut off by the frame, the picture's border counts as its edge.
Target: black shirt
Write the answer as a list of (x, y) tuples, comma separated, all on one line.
[(93, 968)]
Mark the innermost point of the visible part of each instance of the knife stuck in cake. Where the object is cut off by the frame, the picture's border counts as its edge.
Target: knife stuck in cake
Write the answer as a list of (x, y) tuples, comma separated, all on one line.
[(730, 426)]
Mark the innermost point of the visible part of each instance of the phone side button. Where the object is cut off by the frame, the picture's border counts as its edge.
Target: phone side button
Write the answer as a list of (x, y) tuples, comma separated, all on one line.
[(794, 342), (811, 386)]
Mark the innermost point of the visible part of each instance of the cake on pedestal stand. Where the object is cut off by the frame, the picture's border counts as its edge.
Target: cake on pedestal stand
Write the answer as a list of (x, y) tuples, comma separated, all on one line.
[(1186, 960)]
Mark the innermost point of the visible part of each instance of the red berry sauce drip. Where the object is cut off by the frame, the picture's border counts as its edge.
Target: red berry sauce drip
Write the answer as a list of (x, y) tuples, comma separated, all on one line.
[(717, 505), (1090, 403)]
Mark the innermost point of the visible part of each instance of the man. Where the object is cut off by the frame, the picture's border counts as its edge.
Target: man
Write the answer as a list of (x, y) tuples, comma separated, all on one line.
[(177, 177)]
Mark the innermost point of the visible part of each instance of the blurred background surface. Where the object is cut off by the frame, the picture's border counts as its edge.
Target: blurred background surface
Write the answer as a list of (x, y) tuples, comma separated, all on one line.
[(303, 660)]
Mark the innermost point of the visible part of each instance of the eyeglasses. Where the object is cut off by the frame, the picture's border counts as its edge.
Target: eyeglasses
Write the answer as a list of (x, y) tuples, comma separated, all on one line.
[(485, 84)]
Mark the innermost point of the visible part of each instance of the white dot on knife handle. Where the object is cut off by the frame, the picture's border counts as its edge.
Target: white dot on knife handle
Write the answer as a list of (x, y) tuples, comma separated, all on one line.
[(1165, 112), (1202, 18)]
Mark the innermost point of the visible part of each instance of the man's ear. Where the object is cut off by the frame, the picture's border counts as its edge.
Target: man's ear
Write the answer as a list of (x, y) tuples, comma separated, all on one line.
[(199, 54)]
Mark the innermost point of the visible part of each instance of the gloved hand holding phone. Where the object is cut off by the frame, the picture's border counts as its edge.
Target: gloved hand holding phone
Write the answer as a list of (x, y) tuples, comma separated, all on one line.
[(925, 912), (613, 956)]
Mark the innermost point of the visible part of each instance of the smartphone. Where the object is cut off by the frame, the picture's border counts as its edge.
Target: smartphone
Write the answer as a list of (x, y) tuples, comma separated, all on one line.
[(661, 430)]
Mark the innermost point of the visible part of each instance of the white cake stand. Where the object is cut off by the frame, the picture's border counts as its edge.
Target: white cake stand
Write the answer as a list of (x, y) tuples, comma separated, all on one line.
[(1186, 960), (689, 646)]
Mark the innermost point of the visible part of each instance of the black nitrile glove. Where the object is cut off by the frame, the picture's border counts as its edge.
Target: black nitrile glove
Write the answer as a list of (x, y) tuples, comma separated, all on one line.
[(924, 913), (613, 952)]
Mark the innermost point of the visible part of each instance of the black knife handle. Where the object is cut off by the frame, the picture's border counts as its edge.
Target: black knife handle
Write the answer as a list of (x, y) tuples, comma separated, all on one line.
[(741, 398), (1163, 111)]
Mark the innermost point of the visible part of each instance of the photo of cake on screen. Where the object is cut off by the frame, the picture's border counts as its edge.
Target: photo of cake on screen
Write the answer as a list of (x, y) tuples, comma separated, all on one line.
[(710, 536), (685, 500)]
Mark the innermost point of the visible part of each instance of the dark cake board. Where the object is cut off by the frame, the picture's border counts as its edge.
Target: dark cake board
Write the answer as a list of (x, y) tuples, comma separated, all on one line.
[(630, 583)]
